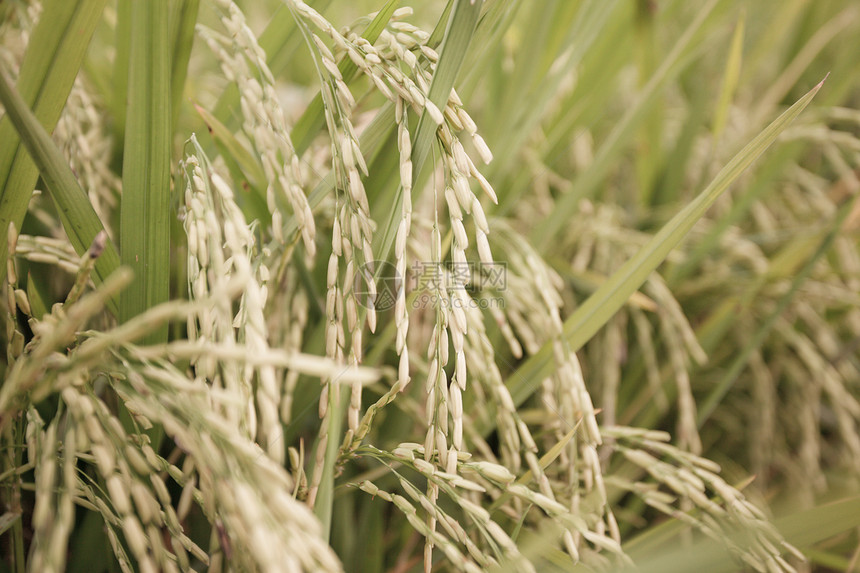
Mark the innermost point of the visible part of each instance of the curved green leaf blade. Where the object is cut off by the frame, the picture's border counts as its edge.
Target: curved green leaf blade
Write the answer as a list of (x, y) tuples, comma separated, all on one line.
[(730, 79), (54, 56), (77, 215)]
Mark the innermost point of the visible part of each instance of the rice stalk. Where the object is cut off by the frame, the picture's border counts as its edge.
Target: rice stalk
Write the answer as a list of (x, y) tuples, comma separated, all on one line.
[(563, 418)]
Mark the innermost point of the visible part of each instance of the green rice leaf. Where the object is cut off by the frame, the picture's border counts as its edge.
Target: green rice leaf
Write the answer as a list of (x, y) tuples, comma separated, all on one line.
[(802, 529), (185, 18), (730, 79), (338, 402), (244, 167), (145, 209), (54, 56), (248, 162), (119, 99), (439, 30), (458, 37), (38, 309), (77, 215)]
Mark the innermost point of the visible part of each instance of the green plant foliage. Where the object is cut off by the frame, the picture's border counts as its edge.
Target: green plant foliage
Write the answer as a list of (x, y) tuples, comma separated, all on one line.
[(56, 51), (144, 213), (474, 285)]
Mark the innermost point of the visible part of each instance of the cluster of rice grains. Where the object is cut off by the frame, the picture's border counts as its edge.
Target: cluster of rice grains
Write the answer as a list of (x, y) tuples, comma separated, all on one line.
[(82, 429), (801, 376), (723, 512), (263, 120), (567, 483), (227, 409), (85, 456), (231, 355), (456, 322), (213, 219)]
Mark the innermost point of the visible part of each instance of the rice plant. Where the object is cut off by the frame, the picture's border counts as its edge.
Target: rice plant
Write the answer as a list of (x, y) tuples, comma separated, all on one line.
[(455, 286)]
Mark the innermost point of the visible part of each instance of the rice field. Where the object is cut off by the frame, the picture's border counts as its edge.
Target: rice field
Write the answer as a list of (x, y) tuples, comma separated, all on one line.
[(464, 285)]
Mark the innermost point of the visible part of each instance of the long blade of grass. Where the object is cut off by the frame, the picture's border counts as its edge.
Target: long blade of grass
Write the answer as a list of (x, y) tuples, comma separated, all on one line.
[(38, 309), (250, 164), (730, 79), (439, 30), (458, 37), (338, 402), (77, 215), (119, 81), (649, 151), (804, 528), (183, 40), (245, 169), (144, 214), (572, 30), (600, 307), (598, 50), (494, 23), (54, 56)]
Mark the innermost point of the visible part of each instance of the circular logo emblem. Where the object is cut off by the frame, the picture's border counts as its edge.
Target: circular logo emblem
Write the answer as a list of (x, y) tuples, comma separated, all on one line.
[(387, 282)]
